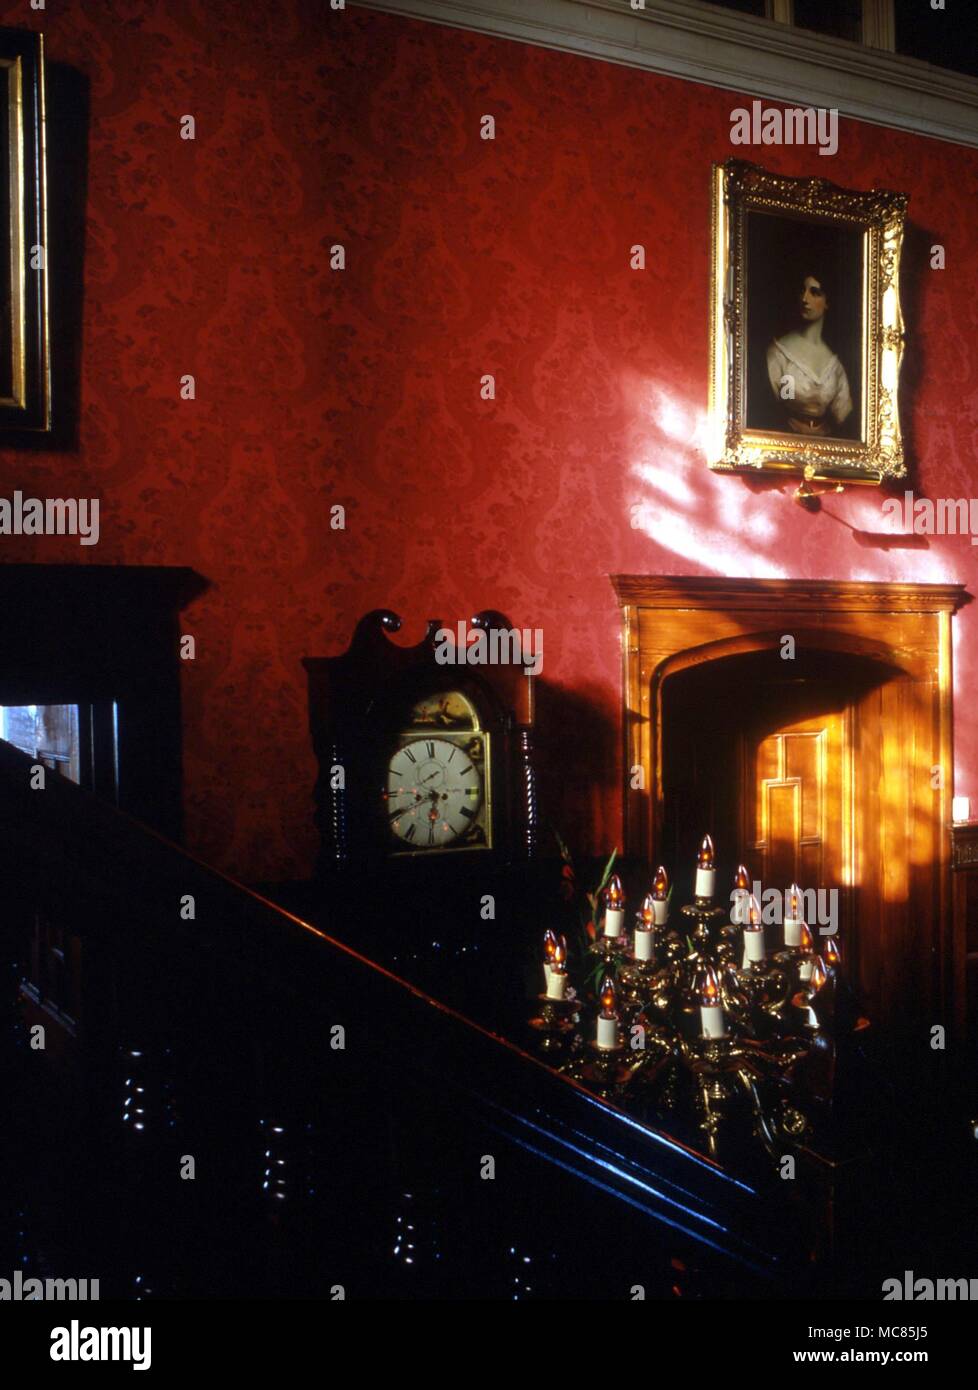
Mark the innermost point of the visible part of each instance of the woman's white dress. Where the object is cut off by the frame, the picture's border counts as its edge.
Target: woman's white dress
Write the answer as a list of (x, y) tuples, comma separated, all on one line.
[(816, 394)]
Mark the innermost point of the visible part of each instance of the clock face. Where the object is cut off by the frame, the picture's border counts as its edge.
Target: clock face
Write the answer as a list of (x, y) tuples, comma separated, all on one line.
[(435, 795)]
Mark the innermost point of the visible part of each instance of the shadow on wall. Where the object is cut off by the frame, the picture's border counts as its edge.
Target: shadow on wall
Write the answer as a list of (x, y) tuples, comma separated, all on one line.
[(579, 758)]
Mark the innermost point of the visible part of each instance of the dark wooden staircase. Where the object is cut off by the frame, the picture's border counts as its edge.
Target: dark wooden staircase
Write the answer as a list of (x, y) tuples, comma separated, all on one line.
[(341, 1126)]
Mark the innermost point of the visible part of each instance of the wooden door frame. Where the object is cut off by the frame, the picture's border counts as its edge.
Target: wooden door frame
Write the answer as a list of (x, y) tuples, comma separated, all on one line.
[(673, 622)]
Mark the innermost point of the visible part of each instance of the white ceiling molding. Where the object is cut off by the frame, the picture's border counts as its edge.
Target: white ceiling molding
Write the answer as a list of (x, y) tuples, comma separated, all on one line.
[(701, 43)]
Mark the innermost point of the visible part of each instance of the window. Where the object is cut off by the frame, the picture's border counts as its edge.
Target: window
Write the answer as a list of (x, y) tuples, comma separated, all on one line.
[(859, 21), (48, 733), (843, 19), (757, 7), (78, 741), (947, 38)]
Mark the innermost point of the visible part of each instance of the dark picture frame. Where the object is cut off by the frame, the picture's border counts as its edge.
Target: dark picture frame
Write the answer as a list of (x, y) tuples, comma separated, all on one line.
[(25, 374)]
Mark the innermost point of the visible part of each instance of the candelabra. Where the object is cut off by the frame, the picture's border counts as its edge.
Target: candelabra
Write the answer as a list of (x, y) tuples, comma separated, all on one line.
[(556, 1024), (558, 1021), (745, 1028)]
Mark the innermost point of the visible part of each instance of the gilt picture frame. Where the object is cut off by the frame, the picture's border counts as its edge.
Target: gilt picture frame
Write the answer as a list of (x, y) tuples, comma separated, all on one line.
[(25, 376), (807, 332)]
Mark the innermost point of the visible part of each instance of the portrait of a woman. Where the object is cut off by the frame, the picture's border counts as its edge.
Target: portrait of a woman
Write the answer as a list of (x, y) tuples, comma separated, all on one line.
[(803, 328), (806, 376)]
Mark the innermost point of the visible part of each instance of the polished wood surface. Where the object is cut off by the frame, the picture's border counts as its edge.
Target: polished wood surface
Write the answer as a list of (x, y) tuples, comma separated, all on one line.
[(964, 844), (910, 961), (360, 701), (796, 775)]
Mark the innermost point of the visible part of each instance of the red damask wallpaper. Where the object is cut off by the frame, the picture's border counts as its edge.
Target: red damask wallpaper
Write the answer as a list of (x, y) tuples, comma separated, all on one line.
[(361, 386)]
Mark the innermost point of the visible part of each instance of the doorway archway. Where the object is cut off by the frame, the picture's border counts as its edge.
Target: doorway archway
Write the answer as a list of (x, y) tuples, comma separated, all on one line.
[(872, 701)]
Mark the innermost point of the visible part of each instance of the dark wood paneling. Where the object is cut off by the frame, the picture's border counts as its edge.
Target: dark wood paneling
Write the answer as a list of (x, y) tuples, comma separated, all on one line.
[(964, 862)]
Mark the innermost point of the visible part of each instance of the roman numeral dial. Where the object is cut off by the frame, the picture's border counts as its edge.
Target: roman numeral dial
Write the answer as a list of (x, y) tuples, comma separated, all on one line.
[(435, 792)]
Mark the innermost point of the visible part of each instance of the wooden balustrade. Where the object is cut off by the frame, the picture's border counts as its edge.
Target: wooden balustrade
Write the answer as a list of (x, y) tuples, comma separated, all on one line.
[(322, 1160)]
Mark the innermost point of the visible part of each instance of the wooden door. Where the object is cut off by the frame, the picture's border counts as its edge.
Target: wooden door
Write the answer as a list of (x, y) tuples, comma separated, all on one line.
[(887, 647), (797, 774)]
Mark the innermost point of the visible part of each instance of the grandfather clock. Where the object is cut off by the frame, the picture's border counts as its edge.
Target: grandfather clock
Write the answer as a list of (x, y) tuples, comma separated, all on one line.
[(426, 787), (425, 794)]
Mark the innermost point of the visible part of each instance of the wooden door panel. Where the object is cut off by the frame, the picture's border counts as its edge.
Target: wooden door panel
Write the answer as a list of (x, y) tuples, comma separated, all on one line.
[(797, 782), (780, 815)]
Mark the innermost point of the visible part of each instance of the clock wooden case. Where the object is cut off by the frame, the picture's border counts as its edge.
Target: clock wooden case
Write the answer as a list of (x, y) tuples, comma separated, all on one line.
[(424, 767)]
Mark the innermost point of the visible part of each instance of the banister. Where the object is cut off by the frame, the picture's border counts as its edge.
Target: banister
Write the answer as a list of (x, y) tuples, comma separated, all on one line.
[(235, 1011)]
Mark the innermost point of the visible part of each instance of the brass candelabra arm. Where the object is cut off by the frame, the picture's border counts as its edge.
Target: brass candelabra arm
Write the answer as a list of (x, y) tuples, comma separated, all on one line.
[(556, 1024), (703, 922), (774, 1058), (674, 950), (649, 1063), (758, 994), (636, 983), (779, 1124), (612, 950)]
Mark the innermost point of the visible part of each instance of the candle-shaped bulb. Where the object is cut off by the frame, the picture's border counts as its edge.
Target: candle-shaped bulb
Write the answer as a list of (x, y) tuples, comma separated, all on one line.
[(832, 954), (557, 971), (705, 870), (643, 942), (549, 942), (707, 986), (711, 1010), (753, 932), (607, 1038), (614, 899), (647, 911), (806, 937), (660, 897), (793, 921), (739, 896), (819, 976)]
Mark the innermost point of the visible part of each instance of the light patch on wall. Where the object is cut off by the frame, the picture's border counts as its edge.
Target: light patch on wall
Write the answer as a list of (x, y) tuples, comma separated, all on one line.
[(740, 510), (668, 415), (672, 484), (708, 524), (715, 550)]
